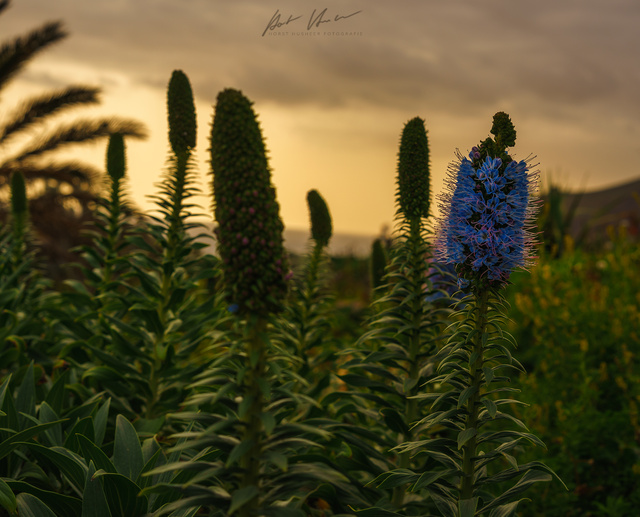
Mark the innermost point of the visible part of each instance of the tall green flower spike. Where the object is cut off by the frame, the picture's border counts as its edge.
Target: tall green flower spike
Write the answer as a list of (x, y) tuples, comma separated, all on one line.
[(182, 114), (116, 167), (413, 170), (321, 229), (249, 228), (116, 157), (401, 343)]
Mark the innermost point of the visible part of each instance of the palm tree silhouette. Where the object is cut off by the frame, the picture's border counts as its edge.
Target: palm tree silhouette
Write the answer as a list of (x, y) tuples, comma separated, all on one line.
[(62, 194)]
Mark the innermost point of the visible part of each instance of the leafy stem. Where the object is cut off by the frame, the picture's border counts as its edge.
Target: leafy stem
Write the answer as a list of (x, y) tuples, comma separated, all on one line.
[(476, 361), (251, 412), (411, 404)]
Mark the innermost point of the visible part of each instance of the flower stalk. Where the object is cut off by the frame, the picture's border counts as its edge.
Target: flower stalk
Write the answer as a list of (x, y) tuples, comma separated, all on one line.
[(255, 270), (469, 449)]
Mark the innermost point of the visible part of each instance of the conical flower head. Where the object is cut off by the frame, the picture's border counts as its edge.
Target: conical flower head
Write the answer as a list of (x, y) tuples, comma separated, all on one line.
[(116, 162), (182, 113), (249, 228), (413, 170), (321, 227), (488, 211)]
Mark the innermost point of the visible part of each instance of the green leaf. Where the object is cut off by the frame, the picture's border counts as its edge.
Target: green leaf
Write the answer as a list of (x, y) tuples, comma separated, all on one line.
[(444, 505), (102, 374), (7, 499), (506, 510), (394, 478), (394, 421), (467, 507), (268, 422), (83, 427), (12, 442), (426, 478), (242, 496), (26, 395), (91, 452), (279, 460), (149, 426), (375, 512), (488, 374), (239, 451), (149, 448), (530, 477), (79, 287), (122, 495), (100, 422), (465, 436), (57, 503), (69, 463), (491, 407), (55, 397), (47, 414), (466, 394), (94, 502), (127, 452), (512, 461), (30, 506)]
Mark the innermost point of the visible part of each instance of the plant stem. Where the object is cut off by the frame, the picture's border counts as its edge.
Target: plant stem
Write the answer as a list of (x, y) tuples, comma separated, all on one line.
[(469, 452), (252, 419), (411, 405), (309, 295)]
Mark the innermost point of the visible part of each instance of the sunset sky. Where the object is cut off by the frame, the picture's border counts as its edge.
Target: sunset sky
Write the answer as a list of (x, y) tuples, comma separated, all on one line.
[(333, 99)]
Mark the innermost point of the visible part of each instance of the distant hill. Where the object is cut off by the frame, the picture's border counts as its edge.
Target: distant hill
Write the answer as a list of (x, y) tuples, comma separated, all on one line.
[(602, 208), (296, 241)]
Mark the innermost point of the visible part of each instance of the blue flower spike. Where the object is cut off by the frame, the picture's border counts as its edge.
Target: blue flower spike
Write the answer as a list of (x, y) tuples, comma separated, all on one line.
[(488, 211)]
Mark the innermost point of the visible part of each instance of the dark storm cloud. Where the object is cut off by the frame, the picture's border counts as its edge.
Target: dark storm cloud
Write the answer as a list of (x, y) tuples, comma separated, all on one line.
[(410, 52)]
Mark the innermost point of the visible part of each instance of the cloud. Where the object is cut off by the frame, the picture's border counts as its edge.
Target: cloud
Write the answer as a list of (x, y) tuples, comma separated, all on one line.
[(462, 53), (567, 72)]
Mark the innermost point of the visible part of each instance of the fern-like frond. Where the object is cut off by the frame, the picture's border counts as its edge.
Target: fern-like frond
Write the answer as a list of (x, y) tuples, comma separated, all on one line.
[(36, 110)]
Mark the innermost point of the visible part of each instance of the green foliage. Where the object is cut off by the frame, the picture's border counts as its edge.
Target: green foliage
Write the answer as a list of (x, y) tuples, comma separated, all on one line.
[(140, 389), (141, 314), (555, 221), (396, 356), (379, 262), (578, 331), (474, 432)]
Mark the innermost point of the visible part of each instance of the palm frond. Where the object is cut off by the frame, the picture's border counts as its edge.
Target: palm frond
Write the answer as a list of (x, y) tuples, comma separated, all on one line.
[(79, 131), (75, 174), (40, 108), (15, 54), (3, 5)]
